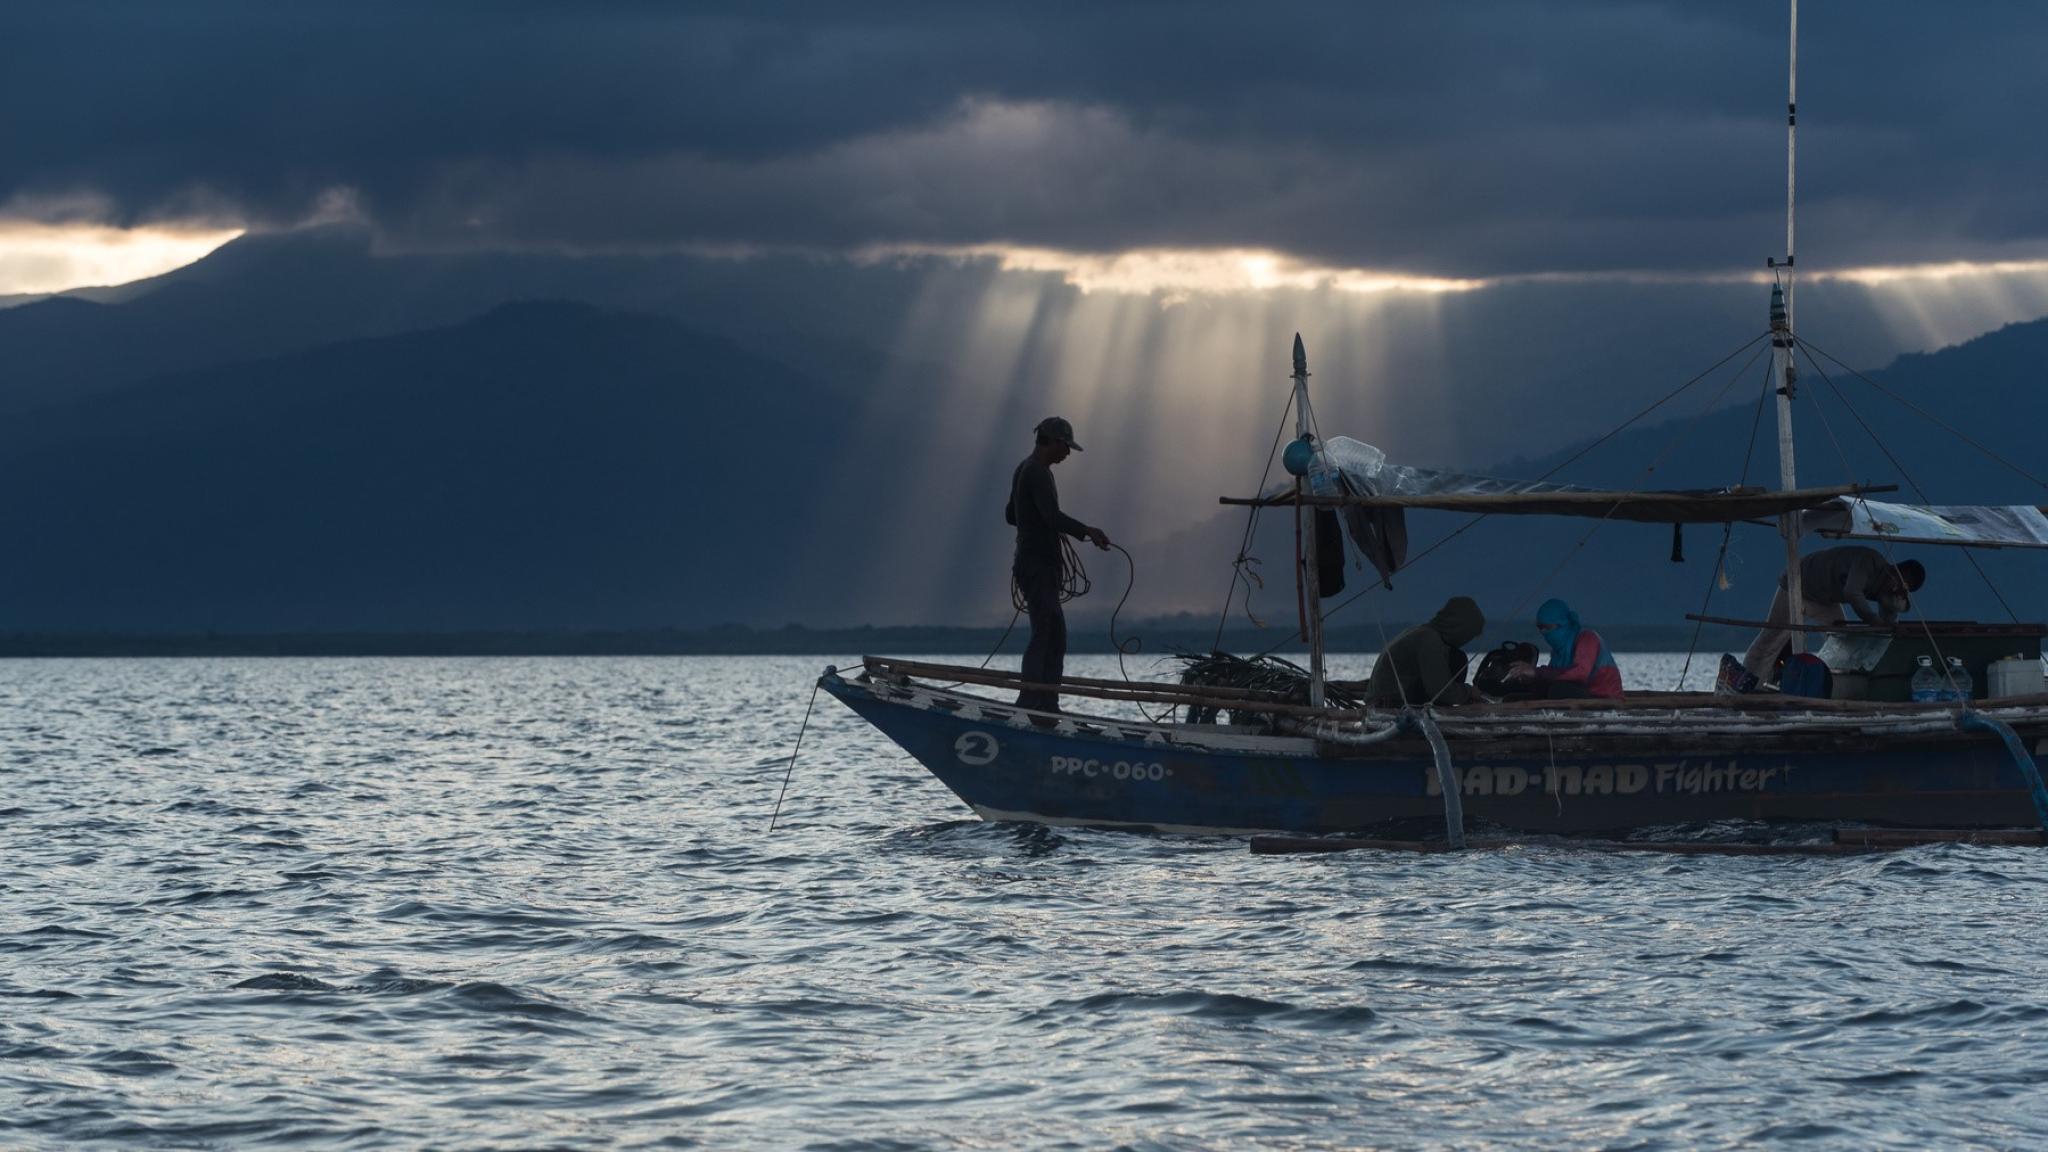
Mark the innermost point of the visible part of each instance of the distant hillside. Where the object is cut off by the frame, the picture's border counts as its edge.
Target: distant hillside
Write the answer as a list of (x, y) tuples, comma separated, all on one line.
[(543, 466), (269, 294)]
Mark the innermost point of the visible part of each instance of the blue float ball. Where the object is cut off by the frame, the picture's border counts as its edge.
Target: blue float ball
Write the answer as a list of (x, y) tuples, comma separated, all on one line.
[(1298, 457)]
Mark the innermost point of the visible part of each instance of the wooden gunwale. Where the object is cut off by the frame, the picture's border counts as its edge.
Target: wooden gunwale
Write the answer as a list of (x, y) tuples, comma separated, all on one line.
[(1675, 704)]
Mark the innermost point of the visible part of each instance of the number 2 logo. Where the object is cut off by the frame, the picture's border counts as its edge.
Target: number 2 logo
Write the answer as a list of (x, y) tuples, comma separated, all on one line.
[(975, 748)]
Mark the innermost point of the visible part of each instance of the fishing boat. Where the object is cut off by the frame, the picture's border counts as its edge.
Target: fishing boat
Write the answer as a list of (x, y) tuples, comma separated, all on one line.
[(1309, 757)]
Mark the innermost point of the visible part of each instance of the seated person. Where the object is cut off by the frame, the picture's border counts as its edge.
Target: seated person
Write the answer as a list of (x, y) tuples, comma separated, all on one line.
[(1426, 663), (1580, 664)]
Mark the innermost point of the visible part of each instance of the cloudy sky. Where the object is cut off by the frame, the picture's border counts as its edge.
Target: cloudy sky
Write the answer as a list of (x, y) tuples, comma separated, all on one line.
[(1498, 223), (1430, 145)]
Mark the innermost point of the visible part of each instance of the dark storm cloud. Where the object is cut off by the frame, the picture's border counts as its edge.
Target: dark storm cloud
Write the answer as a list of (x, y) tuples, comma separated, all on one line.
[(1469, 138)]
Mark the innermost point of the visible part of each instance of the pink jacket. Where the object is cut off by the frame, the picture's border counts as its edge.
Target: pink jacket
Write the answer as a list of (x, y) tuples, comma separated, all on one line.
[(1591, 666)]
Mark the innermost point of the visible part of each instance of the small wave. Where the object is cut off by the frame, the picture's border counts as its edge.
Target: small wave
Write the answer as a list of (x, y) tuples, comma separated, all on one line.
[(1773, 1133), (387, 982), (1878, 1079), (212, 808), (1545, 1024), (634, 942), (384, 982), (1419, 967), (1952, 1008), (48, 936), (493, 997), (32, 1052), (286, 982), (1202, 1005), (132, 1062), (205, 896)]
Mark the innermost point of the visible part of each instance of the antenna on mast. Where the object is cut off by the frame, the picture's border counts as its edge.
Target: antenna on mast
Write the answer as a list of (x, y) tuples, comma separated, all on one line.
[(1782, 369)]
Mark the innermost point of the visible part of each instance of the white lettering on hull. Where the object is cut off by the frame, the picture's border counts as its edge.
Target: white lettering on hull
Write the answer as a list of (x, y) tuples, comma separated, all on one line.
[(1672, 777), (976, 748), (1114, 769)]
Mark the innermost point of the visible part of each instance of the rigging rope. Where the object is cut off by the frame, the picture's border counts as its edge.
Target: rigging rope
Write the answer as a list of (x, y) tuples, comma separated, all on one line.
[(1560, 466), (1809, 349), (1244, 567), (1903, 475), (1756, 423), (1616, 506)]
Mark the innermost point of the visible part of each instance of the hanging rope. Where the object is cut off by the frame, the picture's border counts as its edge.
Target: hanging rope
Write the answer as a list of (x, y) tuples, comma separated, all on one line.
[(1756, 423), (1245, 566), (1073, 579), (1135, 644)]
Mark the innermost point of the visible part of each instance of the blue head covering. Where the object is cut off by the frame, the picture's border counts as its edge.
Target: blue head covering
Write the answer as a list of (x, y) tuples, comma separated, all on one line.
[(1565, 636)]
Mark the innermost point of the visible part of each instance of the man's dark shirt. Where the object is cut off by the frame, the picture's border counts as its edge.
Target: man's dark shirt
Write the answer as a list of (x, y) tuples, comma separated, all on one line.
[(1849, 575), (1034, 508)]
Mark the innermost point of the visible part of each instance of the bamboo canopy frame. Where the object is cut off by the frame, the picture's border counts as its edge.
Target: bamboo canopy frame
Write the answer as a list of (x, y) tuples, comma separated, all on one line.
[(1712, 506)]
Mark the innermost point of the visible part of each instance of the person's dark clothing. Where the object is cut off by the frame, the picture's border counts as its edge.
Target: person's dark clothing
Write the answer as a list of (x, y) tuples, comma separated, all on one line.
[(1426, 664), (1045, 657), (1034, 508), (1851, 575)]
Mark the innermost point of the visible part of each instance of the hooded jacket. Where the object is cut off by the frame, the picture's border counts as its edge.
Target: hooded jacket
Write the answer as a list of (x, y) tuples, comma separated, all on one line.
[(1426, 663), (1577, 653)]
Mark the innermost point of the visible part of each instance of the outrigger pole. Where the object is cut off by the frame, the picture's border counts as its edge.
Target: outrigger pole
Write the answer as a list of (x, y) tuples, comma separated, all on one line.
[(1308, 573), (1782, 369)]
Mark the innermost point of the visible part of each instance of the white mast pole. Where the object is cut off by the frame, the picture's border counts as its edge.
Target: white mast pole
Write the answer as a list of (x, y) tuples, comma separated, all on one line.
[(1310, 574), (1782, 368), (1791, 152)]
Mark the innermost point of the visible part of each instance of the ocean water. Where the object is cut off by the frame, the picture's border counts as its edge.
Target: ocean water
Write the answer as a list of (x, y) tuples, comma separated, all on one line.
[(517, 903)]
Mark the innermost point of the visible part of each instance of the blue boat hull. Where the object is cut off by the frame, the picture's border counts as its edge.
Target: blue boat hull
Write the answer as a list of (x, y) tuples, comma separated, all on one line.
[(1101, 773)]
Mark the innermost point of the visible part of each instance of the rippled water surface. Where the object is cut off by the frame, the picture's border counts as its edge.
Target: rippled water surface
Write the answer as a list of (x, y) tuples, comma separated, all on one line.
[(535, 903)]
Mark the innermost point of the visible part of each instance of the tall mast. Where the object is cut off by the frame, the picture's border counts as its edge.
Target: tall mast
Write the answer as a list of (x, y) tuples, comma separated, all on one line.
[(1310, 573), (1782, 369)]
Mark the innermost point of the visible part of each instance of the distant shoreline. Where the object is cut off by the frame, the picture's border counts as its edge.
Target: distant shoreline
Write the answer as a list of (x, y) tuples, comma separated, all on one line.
[(1162, 638)]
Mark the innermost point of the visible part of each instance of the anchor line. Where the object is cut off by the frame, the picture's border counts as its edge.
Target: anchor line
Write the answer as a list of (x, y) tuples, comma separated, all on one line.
[(789, 771)]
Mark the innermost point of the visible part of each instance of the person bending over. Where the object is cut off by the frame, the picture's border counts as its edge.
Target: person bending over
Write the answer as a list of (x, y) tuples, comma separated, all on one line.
[(1858, 577)]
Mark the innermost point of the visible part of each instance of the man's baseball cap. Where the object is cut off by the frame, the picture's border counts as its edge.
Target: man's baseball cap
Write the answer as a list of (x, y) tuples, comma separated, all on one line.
[(1054, 428)]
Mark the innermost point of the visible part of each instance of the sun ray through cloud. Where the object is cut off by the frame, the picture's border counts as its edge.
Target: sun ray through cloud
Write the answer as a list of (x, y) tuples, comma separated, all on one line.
[(39, 257)]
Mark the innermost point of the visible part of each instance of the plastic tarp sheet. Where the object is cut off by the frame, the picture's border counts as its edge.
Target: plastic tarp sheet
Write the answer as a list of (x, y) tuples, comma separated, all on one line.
[(1342, 466), (1346, 467), (1969, 525)]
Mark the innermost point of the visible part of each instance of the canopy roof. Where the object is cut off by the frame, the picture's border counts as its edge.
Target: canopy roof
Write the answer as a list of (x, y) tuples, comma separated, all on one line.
[(1684, 506), (1966, 525), (1347, 473), (1372, 496)]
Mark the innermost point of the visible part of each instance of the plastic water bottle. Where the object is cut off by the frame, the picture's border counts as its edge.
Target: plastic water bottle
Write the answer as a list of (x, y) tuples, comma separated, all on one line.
[(1961, 685), (1927, 686)]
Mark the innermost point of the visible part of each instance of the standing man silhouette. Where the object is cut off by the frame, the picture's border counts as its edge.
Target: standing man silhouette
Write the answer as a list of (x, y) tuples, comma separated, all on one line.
[(1034, 508)]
